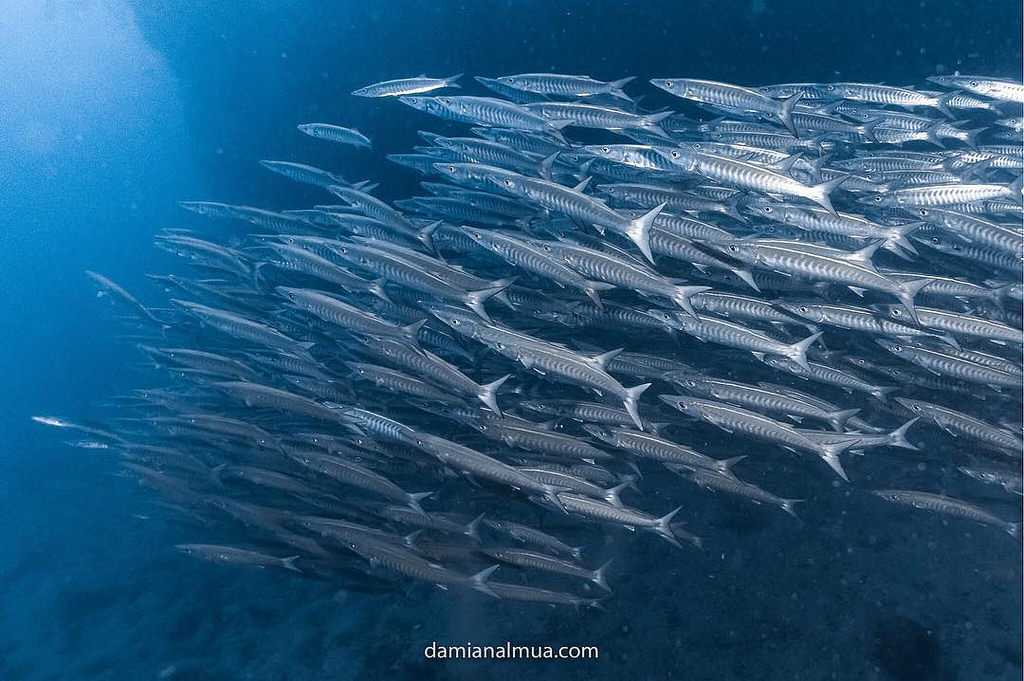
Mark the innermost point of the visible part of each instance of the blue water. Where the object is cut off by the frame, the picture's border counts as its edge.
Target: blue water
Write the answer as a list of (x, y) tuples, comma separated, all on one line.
[(112, 111)]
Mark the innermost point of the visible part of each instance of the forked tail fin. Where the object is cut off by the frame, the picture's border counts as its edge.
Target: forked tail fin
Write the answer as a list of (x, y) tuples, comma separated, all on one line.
[(786, 113), (662, 528), (479, 581), (488, 394), (632, 403), (821, 193), (798, 351), (639, 230)]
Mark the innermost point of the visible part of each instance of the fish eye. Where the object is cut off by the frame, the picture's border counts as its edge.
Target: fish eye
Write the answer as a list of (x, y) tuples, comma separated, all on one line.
[(451, 169), (668, 83), (935, 240), (734, 248), (923, 212), (803, 308), (675, 154), (896, 313), (974, 83), (692, 383), (508, 183), (767, 209), (916, 407), (898, 348), (606, 150), (455, 322)]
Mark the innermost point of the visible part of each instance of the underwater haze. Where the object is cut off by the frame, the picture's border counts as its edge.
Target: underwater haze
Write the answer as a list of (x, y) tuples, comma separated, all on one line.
[(265, 422)]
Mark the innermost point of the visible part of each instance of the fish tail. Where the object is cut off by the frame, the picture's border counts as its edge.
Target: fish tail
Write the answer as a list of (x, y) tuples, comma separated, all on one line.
[(473, 527), (599, 577), (882, 392), (1015, 189), (907, 291), (830, 452), (411, 331), (289, 564), (600, 432), (681, 297), (475, 299), (747, 277), (838, 419), (257, 277), (798, 351), (639, 230), (545, 167), (593, 289), (551, 494), (663, 529), (450, 81), (868, 129), (478, 582), (786, 113), (557, 124), (999, 293), (502, 296), (632, 402), (650, 123), (1013, 529), (611, 495), (725, 465), (409, 540), (615, 87), (414, 501), (821, 193), (376, 288), (425, 235), (789, 506), (732, 208), (943, 103), (901, 232), (972, 142), (897, 438), (933, 134), (488, 394)]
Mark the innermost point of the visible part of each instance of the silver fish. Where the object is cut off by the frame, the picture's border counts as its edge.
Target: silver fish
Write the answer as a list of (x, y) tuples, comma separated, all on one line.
[(406, 86), (938, 503)]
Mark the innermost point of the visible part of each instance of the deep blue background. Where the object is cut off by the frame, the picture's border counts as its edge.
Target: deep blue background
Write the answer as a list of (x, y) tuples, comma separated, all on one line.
[(112, 111)]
